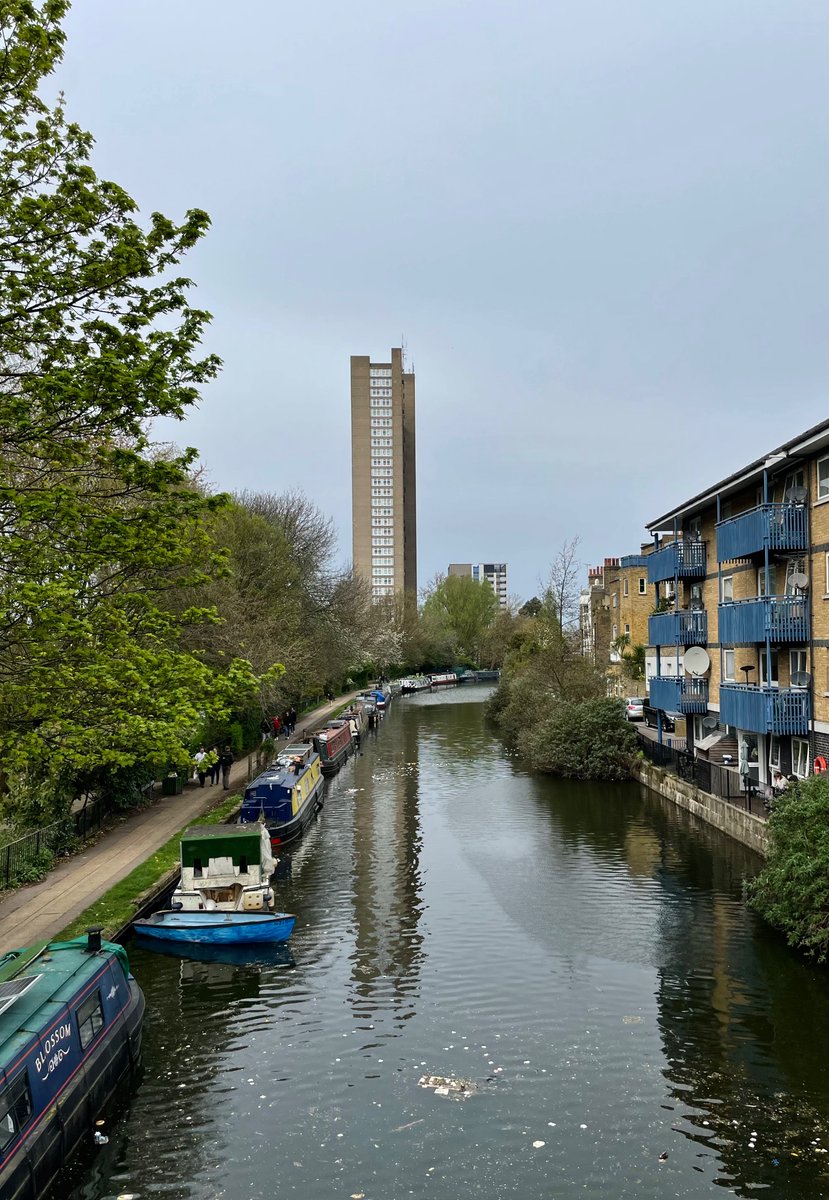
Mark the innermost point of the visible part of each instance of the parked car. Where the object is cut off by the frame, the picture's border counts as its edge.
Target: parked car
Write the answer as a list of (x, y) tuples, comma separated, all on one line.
[(651, 718), (634, 709)]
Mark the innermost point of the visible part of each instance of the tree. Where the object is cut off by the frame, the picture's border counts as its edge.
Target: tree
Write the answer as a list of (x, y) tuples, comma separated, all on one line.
[(97, 531), (588, 740), (530, 608), (792, 890), (563, 584), (465, 607)]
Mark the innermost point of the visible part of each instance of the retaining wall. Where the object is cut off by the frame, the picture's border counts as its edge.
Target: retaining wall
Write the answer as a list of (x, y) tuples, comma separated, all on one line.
[(736, 822)]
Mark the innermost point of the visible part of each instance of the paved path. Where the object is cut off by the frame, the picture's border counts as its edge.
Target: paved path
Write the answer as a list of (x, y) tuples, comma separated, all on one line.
[(41, 910)]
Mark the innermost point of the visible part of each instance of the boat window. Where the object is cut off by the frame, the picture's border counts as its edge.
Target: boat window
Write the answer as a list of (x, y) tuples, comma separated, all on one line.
[(197, 869), (90, 1019), (15, 1109)]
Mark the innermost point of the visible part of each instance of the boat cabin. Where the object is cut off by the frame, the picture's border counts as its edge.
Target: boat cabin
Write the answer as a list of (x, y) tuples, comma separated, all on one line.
[(225, 867), (279, 793), (70, 1031)]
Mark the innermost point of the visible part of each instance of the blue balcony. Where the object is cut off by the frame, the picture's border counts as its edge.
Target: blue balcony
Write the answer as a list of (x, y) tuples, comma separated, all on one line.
[(634, 560), (684, 695), (764, 709), (683, 628), (778, 526), (780, 618), (683, 558)]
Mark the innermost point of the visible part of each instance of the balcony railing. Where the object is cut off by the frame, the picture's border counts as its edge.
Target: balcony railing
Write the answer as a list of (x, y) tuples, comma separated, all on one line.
[(780, 618), (778, 526), (684, 628), (682, 694), (764, 709), (683, 558)]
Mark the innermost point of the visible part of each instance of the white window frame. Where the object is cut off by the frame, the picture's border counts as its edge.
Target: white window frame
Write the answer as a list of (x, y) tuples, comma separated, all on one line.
[(643, 585), (822, 478), (727, 587), (799, 656), (775, 669), (728, 675), (800, 757), (625, 587), (774, 752)]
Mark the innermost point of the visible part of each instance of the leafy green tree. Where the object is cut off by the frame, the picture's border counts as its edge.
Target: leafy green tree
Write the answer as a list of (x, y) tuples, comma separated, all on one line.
[(465, 608), (587, 740), (530, 608), (97, 530), (792, 890)]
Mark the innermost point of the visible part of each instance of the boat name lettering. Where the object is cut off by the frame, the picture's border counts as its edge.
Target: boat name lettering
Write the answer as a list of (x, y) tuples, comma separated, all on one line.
[(52, 1053)]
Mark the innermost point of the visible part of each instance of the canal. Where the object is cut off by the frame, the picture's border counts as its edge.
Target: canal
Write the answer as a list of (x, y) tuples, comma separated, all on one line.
[(579, 953)]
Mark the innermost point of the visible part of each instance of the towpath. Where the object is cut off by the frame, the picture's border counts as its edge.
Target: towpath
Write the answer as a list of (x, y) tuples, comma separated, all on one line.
[(41, 910)]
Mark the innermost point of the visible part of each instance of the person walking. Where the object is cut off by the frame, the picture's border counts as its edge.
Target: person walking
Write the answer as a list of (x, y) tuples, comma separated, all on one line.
[(201, 768), (292, 717), (215, 766), (226, 762), (266, 729), (277, 725)]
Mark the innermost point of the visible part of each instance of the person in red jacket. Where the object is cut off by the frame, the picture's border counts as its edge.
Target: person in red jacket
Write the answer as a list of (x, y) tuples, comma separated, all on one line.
[(277, 725)]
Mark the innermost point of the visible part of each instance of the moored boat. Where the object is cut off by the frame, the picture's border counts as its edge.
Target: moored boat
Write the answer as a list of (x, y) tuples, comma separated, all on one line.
[(225, 868), (333, 747), (287, 796), (488, 676), (443, 679), (216, 928), (70, 1034), (414, 683)]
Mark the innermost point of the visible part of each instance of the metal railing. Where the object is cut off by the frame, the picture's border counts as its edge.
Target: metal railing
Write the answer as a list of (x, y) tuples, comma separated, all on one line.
[(688, 627), (683, 557), (21, 860), (781, 618), (778, 526), (765, 709), (710, 777)]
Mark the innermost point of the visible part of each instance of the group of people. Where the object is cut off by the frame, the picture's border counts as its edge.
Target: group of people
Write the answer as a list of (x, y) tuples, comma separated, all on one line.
[(213, 764), (281, 726)]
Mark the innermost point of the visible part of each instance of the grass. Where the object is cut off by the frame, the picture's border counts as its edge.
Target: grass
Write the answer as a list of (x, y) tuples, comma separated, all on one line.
[(116, 908)]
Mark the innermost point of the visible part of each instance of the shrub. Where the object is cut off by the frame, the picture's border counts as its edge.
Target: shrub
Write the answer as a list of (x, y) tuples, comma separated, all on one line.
[(792, 890), (586, 740), (236, 734)]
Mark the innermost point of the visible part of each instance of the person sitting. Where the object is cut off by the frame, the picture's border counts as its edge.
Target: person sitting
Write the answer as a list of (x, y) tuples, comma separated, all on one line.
[(779, 783)]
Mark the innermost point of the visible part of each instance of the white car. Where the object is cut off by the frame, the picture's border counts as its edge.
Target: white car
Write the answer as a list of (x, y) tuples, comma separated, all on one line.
[(634, 709)]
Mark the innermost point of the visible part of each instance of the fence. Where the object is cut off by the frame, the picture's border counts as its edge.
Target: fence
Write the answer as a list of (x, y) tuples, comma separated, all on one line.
[(21, 860), (709, 777)]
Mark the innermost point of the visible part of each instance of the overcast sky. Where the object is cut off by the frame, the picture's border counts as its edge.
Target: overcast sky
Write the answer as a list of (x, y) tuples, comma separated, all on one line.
[(599, 225)]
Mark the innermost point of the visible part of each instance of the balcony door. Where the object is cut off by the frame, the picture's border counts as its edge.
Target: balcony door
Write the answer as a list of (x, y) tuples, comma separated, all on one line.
[(766, 682)]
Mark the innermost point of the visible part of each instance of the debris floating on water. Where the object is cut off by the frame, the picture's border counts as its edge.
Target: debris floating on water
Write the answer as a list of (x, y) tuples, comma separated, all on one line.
[(441, 1085), (663, 1156), (538, 1144)]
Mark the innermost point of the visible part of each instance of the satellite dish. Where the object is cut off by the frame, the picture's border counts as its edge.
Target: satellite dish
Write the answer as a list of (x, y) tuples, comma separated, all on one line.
[(796, 495), (801, 679), (798, 579), (696, 660), (709, 723)]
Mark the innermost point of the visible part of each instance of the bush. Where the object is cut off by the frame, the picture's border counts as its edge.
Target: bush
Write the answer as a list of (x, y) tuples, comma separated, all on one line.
[(792, 890), (587, 740), (236, 735)]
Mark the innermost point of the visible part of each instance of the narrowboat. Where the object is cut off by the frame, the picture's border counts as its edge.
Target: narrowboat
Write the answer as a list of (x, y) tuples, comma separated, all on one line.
[(216, 928), (333, 747), (70, 1036), (287, 796), (344, 723), (445, 679), (488, 676), (225, 868), (356, 718), (414, 683)]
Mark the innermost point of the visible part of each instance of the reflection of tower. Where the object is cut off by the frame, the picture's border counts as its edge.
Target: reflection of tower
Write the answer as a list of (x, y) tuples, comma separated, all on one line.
[(387, 900)]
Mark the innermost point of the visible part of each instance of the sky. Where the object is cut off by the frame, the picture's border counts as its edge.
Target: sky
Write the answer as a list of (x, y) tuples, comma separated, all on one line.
[(599, 227)]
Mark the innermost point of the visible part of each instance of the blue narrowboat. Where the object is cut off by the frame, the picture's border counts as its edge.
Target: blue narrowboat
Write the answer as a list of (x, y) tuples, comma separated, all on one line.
[(287, 795), (70, 1035)]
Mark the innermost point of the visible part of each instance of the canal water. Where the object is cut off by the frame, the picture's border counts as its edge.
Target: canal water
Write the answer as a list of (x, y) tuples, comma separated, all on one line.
[(579, 953)]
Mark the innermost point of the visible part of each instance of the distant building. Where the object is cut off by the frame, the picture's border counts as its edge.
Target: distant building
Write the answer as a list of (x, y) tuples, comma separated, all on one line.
[(495, 575), (613, 614), (383, 483)]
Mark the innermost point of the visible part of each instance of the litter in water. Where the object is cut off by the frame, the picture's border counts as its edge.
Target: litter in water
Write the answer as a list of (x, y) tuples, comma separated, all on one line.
[(456, 1089)]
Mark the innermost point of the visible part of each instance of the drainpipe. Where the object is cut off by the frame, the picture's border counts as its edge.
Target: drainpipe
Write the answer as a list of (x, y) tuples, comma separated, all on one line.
[(767, 580)]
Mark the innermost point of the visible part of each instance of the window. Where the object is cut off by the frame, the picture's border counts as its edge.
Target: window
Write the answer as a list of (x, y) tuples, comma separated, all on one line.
[(643, 586), (773, 682), (627, 631), (15, 1109), (823, 479), (774, 752), (615, 600), (761, 581), (625, 587), (827, 575), (728, 664), (615, 632), (800, 758), (727, 589), (90, 1018), (797, 664)]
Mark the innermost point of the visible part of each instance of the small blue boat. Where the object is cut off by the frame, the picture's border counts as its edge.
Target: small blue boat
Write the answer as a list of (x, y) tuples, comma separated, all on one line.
[(217, 928)]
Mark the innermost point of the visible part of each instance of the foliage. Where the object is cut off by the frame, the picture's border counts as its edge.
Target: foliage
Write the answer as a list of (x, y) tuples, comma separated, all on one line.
[(464, 609), (530, 608), (98, 529), (792, 890), (31, 870), (561, 591), (586, 740), (633, 662)]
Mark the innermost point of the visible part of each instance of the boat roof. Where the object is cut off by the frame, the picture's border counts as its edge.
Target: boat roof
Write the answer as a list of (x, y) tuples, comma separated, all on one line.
[(60, 969), (199, 832)]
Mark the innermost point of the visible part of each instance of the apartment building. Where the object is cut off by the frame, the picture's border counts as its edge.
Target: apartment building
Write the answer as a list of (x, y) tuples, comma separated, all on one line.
[(495, 574), (613, 614), (740, 598), (383, 474)]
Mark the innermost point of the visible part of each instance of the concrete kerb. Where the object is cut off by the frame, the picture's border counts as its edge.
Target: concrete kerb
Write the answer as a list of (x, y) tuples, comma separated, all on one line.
[(42, 910)]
